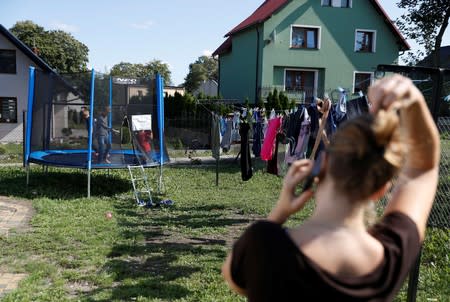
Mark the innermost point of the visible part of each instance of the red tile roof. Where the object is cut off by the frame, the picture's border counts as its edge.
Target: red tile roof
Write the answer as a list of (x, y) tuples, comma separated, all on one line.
[(223, 48), (269, 7), (261, 14), (403, 43)]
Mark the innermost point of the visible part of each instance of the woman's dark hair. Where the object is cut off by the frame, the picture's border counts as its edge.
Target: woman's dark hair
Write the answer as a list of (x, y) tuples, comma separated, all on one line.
[(365, 153)]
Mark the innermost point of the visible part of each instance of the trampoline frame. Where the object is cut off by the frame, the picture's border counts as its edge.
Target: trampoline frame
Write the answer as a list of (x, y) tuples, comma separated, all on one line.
[(37, 157)]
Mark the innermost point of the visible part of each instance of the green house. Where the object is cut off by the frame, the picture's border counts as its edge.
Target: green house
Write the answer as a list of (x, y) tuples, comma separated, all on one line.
[(307, 48)]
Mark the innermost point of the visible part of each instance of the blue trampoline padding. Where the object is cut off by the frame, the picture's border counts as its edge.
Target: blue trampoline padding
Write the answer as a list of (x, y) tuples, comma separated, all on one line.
[(120, 159)]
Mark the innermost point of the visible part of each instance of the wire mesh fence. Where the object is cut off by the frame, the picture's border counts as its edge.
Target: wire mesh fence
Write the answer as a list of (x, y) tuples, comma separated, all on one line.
[(434, 272)]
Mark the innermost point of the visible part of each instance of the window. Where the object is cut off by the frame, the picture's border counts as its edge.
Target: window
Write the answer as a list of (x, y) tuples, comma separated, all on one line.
[(8, 110), (365, 40), (362, 81), (7, 61), (305, 37), (301, 81), (337, 3)]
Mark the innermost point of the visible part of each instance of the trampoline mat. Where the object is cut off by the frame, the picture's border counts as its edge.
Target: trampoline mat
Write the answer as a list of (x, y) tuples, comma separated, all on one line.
[(78, 159)]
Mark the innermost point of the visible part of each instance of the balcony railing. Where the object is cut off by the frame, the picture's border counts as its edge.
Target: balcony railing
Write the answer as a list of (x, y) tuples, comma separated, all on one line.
[(307, 94)]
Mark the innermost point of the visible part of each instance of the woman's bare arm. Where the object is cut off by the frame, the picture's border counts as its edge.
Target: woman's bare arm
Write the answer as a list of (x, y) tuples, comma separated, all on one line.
[(226, 273), (416, 187)]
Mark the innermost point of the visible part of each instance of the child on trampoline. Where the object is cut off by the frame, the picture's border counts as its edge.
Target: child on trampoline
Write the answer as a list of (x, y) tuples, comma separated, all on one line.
[(103, 133), (144, 138), (333, 255), (85, 115)]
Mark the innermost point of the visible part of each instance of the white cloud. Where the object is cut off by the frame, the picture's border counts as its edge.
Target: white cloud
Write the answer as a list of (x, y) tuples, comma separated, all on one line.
[(64, 26), (142, 25), (207, 52)]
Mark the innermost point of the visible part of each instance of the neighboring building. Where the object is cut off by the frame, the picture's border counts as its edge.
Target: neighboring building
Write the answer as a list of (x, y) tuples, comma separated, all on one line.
[(307, 48), (15, 60), (444, 53), (208, 88), (170, 90)]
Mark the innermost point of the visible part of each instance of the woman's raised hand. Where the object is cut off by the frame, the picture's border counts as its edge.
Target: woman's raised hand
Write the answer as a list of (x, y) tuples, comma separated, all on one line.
[(289, 203)]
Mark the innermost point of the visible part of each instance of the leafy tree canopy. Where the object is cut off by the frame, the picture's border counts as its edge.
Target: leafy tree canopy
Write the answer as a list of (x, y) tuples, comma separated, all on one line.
[(204, 68), (58, 48), (130, 70), (425, 21)]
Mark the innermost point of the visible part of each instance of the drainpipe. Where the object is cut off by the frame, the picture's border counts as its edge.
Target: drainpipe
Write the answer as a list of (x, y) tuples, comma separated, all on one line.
[(257, 63), (218, 76)]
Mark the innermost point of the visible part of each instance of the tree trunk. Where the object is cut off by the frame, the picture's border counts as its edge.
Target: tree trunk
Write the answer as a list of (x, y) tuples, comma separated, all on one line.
[(438, 42)]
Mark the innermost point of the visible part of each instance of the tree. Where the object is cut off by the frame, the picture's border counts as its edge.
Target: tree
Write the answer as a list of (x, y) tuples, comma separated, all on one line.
[(204, 68), (58, 48), (150, 69), (157, 66), (128, 70), (425, 22)]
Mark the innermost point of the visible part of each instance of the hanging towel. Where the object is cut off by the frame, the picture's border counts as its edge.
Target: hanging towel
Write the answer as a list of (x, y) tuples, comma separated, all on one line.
[(269, 139)]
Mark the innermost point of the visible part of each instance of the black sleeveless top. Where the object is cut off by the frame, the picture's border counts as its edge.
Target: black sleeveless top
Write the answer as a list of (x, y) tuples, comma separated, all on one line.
[(270, 267)]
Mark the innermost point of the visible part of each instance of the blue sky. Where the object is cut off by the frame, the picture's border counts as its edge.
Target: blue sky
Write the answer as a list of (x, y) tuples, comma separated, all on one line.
[(174, 31)]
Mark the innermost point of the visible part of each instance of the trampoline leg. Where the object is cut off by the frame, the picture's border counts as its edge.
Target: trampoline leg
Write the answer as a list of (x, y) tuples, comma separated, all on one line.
[(161, 188), (28, 175), (89, 184)]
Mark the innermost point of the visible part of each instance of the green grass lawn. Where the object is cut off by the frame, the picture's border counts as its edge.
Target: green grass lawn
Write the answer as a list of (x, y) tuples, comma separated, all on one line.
[(74, 253)]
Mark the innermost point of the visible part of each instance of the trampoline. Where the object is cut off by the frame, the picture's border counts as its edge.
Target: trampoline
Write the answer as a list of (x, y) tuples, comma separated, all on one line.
[(120, 159), (94, 121)]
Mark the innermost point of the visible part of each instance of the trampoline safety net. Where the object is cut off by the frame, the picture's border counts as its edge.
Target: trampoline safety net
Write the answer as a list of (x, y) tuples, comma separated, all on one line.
[(124, 125)]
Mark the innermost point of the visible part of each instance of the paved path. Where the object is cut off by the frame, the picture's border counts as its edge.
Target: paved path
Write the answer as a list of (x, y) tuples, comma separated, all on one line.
[(14, 217)]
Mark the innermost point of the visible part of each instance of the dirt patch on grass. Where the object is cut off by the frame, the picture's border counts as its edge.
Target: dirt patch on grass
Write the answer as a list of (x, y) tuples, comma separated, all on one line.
[(15, 215)]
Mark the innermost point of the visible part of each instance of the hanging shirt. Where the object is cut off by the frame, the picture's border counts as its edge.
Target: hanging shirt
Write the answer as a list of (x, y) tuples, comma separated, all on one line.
[(295, 123), (235, 137), (257, 134), (341, 106), (226, 139), (223, 126), (215, 136), (357, 107)]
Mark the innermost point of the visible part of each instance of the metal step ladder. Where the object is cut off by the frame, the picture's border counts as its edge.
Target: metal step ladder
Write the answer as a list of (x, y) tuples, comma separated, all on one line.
[(141, 188)]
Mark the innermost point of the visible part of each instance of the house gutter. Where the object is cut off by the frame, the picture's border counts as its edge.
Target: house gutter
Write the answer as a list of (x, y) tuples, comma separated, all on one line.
[(258, 37), (218, 76)]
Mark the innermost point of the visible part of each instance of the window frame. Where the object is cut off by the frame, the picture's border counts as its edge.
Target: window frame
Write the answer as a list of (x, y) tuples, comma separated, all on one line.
[(2, 98), (317, 29), (372, 77), (374, 40), (15, 61), (316, 78), (329, 3)]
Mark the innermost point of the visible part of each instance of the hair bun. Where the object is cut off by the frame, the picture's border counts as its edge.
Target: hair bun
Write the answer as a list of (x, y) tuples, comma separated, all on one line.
[(386, 128)]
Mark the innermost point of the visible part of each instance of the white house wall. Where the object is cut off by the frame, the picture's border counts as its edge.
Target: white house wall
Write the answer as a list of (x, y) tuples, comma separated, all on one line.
[(15, 85)]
